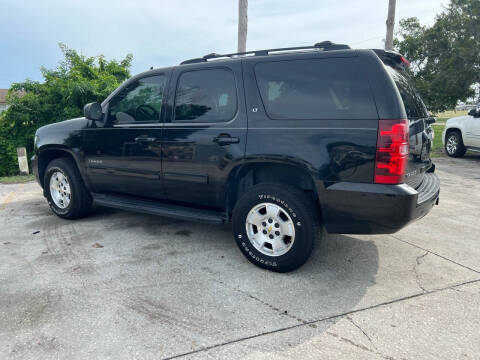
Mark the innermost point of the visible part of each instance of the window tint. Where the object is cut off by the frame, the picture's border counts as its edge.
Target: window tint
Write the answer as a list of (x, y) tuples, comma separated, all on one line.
[(138, 102), (315, 89), (414, 106), (206, 96)]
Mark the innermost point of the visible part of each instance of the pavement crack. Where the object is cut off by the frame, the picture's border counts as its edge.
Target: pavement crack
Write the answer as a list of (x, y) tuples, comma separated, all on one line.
[(332, 317), (265, 303), (281, 312), (360, 346), (360, 328), (418, 261), (344, 339), (436, 254)]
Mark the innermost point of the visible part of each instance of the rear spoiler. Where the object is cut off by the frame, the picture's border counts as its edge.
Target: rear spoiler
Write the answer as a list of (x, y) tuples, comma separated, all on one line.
[(392, 58)]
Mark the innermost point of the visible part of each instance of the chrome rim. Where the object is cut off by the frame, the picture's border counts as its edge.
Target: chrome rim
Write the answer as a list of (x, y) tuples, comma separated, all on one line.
[(60, 190), (270, 229), (452, 144)]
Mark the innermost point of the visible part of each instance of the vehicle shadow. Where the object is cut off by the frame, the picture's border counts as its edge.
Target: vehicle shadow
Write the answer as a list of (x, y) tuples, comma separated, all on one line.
[(334, 281)]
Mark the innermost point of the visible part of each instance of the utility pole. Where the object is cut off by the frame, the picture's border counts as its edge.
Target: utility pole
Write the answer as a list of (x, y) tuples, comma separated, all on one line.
[(390, 25), (242, 25)]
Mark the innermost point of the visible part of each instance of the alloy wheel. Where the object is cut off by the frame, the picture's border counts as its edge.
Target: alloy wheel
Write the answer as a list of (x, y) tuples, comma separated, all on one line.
[(60, 190), (270, 229), (452, 144)]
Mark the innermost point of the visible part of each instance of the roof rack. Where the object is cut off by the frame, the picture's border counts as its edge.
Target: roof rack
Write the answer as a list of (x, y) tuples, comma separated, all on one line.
[(324, 45)]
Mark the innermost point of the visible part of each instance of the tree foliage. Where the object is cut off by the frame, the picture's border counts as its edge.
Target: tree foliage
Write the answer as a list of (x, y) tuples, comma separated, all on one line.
[(445, 57), (76, 81)]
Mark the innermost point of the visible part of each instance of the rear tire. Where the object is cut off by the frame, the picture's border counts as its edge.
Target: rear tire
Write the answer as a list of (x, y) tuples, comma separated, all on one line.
[(65, 191), (275, 226), (454, 144)]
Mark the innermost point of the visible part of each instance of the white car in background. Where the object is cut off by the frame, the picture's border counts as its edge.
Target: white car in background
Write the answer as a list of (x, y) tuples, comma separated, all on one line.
[(462, 133)]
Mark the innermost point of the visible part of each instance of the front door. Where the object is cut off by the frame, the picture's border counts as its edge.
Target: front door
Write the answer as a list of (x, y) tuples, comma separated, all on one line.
[(124, 155), (204, 133), (472, 132)]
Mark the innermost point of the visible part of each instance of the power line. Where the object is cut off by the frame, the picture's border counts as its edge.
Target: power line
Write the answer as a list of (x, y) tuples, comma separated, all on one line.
[(363, 41)]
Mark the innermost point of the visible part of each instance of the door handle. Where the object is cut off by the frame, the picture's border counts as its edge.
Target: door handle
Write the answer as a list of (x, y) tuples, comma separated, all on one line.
[(145, 138), (225, 139)]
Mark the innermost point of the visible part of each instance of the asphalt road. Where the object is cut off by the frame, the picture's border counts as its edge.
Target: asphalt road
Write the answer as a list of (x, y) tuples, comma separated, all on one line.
[(121, 285)]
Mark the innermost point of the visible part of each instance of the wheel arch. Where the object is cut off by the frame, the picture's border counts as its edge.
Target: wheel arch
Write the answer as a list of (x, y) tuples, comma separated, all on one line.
[(453, 128), (47, 154), (245, 175)]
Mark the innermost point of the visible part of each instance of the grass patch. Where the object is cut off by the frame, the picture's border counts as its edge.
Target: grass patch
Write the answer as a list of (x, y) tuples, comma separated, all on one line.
[(16, 179), (437, 146), (448, 114), (451, 113)]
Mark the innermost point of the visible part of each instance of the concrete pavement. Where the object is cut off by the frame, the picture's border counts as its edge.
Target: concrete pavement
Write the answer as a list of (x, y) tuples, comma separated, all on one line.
[(122, 285)]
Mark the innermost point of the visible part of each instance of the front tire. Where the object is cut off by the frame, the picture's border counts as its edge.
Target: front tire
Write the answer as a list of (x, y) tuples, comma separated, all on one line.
[(454, 144), (66, 194), (275, 226)]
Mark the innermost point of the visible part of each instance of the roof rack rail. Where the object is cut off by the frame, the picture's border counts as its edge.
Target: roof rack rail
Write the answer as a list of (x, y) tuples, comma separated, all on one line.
[(324, 45)]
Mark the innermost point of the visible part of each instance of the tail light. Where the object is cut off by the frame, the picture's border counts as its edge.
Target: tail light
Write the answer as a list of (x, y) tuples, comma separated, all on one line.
[(392, 151), (405, 61)]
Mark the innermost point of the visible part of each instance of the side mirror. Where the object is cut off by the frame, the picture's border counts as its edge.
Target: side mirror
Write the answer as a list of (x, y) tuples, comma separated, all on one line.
[(472, 112), (93, 111)]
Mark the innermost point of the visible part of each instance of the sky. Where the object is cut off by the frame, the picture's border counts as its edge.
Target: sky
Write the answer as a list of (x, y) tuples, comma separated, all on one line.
[(163, 33)]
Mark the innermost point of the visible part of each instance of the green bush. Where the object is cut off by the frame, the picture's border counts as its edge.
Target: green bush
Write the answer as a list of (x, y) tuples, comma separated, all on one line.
[(8, 153), (76, 81)]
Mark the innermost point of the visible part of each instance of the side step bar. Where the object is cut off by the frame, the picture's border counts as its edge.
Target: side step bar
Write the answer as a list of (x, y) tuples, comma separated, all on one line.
[(130, 203)]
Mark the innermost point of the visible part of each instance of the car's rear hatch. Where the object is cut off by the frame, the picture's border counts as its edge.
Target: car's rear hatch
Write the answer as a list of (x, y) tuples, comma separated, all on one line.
[(420, 130)]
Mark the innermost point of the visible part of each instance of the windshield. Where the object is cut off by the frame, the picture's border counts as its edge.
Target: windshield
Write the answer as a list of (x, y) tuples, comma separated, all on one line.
[(414, 106)]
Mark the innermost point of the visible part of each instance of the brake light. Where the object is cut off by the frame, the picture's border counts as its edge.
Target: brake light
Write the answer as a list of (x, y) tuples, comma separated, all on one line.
[(392, 151), (405, 61)]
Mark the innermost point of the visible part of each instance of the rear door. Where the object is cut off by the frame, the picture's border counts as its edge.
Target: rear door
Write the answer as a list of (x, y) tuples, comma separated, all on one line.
[(420, 130), (204, 132)]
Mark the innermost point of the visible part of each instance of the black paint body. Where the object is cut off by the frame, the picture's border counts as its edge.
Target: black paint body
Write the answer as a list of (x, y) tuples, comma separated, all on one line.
[(181, 163)]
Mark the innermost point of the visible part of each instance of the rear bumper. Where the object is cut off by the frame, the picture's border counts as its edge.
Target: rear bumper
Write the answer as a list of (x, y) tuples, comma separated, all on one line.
[(353, 208)]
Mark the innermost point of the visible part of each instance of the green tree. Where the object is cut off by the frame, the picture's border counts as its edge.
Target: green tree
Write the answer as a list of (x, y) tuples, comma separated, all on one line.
[(445, 57), (76, 81)]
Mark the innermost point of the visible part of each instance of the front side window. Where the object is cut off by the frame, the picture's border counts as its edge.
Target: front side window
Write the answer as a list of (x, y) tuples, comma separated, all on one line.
[(331, 88), (138, 102), (206, 96)]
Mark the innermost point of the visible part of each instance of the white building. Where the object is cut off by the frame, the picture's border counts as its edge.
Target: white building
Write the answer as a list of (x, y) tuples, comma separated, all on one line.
[(3, 100)]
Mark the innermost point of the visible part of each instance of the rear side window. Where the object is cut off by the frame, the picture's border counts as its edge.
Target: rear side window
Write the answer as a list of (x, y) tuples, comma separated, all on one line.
[(414, 106), (333, 88), (206, 96)]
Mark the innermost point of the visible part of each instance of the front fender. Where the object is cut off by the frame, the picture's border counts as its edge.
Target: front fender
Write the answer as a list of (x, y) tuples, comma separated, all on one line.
[(57, 139), (456, 123), (452, 127)]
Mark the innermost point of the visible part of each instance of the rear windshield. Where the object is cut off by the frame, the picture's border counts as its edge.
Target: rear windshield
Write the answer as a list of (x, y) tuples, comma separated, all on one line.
[(414, 106), (315, 89)]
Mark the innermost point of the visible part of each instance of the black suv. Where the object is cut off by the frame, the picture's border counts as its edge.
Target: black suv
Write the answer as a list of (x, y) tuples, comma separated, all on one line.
[(280, 142)]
